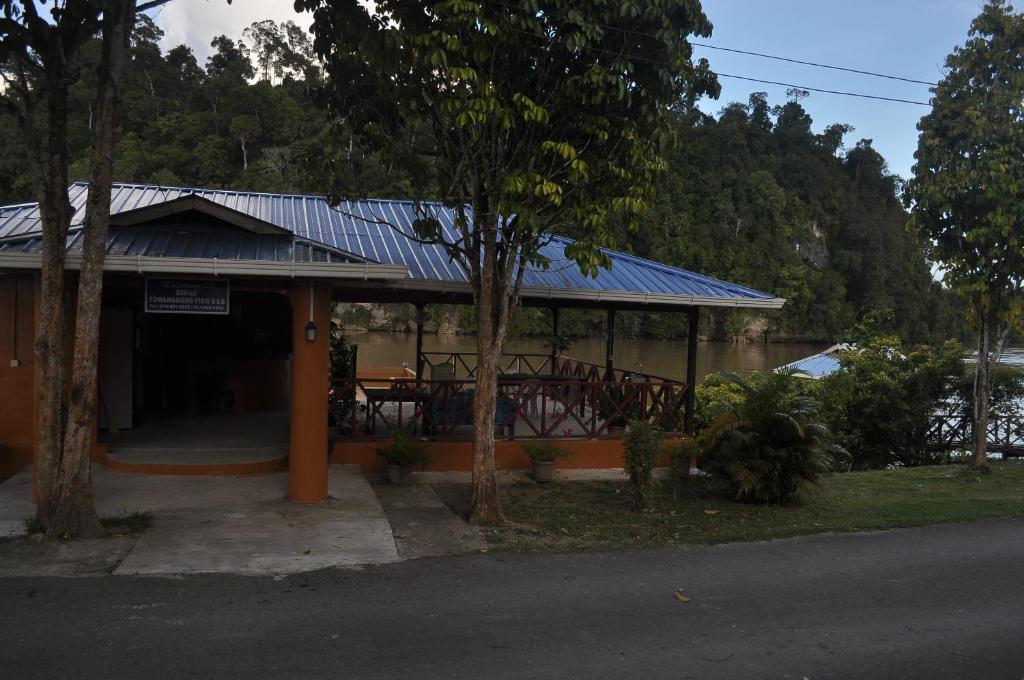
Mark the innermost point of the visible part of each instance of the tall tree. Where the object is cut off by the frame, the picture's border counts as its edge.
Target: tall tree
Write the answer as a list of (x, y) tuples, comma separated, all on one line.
[(529, 115), (967, 193), (40, 62)]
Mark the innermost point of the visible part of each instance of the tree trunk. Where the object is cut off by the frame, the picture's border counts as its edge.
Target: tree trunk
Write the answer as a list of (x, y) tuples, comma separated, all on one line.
[(486, 502), (51, 342), (982, 387), (245, 156), (74, 513)]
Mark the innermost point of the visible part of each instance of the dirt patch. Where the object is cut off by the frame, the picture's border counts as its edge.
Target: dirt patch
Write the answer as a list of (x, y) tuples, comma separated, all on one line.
[(423, 525), (27, 556)]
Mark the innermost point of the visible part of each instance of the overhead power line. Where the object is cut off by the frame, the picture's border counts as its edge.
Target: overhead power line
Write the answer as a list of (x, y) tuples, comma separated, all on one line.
[(762, 55), (817, 89), (815, 64), (843, 93)]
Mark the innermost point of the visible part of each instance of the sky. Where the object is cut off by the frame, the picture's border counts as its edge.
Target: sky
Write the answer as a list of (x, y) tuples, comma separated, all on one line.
[(908, 38)]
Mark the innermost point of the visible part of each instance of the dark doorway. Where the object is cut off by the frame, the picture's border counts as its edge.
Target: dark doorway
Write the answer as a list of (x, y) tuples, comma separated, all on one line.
[(232, 364)]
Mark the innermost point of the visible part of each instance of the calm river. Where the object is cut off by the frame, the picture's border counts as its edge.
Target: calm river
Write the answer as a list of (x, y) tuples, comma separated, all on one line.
[(666, 358)]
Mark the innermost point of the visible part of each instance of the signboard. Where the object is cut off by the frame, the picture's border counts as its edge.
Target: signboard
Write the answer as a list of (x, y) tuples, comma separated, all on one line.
[(188, 296)]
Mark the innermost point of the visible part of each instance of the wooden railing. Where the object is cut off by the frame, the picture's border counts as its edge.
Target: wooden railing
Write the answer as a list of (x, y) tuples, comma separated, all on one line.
[(591, 371), (524, 363), (948, 432), (533, 407), (465, 363)]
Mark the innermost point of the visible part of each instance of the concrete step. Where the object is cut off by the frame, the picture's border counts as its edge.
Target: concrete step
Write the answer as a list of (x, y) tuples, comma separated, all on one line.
[(198, 461)]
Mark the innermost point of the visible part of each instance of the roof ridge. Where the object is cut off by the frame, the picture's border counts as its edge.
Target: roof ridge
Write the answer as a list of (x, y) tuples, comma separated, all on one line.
[(202, 190)]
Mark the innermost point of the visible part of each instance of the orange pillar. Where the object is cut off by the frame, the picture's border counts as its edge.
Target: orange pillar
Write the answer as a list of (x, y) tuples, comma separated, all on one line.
[(307, 451)]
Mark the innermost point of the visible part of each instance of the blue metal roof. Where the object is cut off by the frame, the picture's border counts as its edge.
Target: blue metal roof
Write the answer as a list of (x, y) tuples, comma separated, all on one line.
[(378, 231), (224, 244), (818, 365)]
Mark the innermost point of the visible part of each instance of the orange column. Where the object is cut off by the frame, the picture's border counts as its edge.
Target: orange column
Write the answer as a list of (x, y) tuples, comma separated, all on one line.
[(307, 452)]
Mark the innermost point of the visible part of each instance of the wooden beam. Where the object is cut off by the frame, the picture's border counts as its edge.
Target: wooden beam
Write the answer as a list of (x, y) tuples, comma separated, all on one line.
[(691, 367), (363, 292), (609, 348), (419, 343), (555, 314)]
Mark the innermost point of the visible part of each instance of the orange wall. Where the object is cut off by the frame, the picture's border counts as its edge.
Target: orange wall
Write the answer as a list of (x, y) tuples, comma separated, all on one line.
[(17, 385), (455, 456)]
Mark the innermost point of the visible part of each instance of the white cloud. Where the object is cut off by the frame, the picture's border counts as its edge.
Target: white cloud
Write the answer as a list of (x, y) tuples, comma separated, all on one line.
[(197, 22)]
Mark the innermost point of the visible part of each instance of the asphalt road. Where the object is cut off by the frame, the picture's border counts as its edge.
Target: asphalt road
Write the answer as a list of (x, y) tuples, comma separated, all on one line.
[(939, 602)]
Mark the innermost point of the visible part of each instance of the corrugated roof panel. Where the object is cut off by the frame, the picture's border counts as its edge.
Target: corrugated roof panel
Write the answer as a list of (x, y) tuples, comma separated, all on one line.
[(133, 241), (355, 227), (817, 366)]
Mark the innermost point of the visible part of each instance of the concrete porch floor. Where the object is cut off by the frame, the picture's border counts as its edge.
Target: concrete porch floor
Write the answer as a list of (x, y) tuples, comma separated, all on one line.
[(203, 440), (237, 525)]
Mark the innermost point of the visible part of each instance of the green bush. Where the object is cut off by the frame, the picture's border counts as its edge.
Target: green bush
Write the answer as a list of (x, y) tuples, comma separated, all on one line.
[(1007, 392), (404, 450), (721, 393), (643, 447), (545, 452), (341, 400), (879, 405), (771, 446)]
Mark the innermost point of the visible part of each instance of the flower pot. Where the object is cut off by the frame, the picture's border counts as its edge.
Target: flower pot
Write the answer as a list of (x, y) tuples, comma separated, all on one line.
[(543, 471), (399, 474)]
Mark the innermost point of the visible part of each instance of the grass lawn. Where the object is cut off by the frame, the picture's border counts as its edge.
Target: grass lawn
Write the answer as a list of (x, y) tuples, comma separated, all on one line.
[(594, 515)]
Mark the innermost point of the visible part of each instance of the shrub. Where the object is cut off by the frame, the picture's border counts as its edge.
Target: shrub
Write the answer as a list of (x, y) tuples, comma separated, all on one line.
[(1007, 392), (129, 522), (771, 447), (404, 450), (721, 393), (342, 397), (879, 405), (643, 446), (545, 452)]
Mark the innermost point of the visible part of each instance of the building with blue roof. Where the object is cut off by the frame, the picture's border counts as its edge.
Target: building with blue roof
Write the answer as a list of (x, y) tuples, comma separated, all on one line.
[(219, 302), (816, 366)]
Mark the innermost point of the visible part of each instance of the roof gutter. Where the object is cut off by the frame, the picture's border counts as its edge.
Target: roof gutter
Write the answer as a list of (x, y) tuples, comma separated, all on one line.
[(609, 297), (138, 264)]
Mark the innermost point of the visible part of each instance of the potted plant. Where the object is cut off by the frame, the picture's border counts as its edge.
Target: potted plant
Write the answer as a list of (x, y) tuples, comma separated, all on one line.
[(341, 399), (543, 457), (401, 454)]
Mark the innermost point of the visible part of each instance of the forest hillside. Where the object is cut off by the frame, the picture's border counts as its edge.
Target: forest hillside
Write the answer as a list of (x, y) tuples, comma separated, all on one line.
[(752, 194)]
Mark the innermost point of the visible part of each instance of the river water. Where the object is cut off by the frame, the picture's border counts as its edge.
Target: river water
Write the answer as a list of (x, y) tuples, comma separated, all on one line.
[(664, 358)]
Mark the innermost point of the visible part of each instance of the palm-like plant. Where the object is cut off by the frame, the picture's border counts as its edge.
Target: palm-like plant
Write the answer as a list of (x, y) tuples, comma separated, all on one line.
[(772, 446)]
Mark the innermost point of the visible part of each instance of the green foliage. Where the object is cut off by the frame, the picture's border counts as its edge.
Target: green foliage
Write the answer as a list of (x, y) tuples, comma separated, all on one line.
[(1007, 393), (560, 343), (342, 397), (546, 452), (879, 405), (134, 522), (787, 210), (518, 113), (780, 207), (720, 393), (404, 449), (968, 185), (592, 515), (771, 447), (643, 448)]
